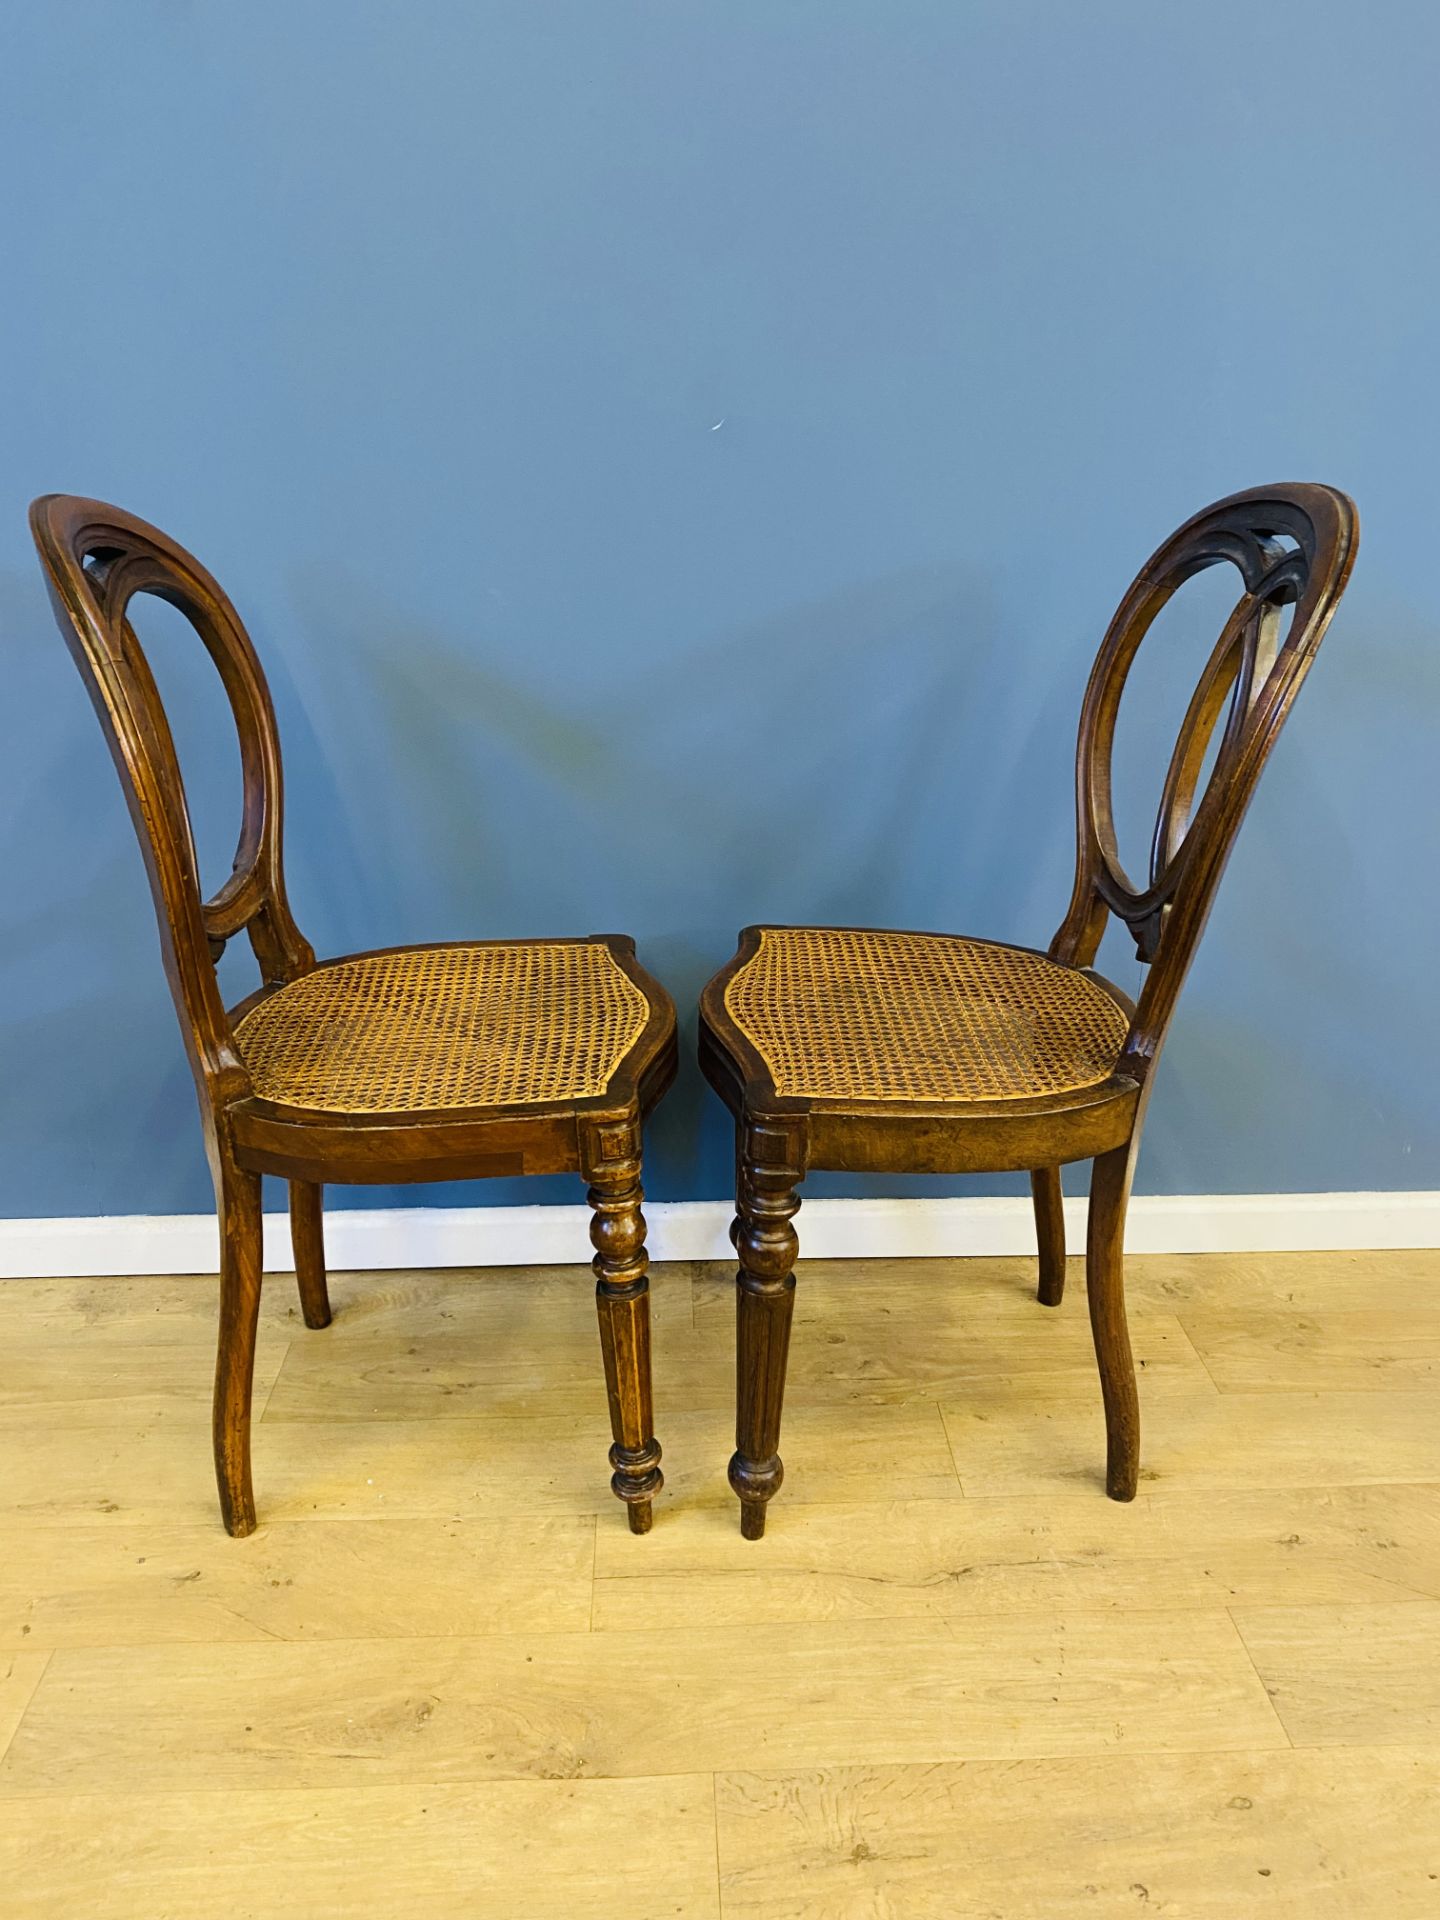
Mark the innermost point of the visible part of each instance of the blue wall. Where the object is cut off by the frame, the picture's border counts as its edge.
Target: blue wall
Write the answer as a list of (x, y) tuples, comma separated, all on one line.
[(677, 461)]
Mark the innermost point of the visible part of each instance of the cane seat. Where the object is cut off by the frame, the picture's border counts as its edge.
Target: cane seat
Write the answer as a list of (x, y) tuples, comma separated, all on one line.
[(490, 1024), (844, 1013)]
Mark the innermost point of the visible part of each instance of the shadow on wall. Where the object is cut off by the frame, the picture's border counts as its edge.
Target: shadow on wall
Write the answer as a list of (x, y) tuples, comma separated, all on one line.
[(97, 1099), (860, 759), (894, 755), (1309, 1017)]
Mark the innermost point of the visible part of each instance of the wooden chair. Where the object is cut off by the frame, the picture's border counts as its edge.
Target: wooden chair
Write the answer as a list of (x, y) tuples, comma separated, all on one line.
[(416, 1063), (877, 1052)]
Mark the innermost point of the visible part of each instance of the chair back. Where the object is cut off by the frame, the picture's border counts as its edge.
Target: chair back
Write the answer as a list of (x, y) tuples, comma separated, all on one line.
[(1292, 545), (96, 559)]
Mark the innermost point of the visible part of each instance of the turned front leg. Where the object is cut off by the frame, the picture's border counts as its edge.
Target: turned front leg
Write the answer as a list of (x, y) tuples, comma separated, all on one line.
[(622, 1300), (766, 1203)]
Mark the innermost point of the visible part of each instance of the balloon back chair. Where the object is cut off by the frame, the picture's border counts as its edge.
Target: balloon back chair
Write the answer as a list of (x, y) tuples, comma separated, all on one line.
[(415, 1063), (887, 1052)]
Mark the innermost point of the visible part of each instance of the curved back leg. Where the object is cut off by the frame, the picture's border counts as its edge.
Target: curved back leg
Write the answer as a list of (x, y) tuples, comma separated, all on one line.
[(241, 1259), (1049, 1234), (1105, 1286), (307, 1238)]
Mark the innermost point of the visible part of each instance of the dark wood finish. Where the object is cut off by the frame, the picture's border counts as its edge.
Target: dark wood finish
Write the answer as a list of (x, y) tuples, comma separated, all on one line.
[(764, 1302), (307, 1240), (1049, 1201), (237, 1193), (1293, 546), (622, 1302), (1105, 1292), (96, 559)]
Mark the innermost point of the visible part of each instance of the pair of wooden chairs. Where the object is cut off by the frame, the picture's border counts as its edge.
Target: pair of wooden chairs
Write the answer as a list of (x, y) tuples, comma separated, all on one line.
[(842, 1048)]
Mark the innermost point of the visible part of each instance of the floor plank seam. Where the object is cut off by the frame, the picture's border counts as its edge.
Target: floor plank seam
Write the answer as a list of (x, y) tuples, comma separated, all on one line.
[(594, 1559), (1184, 1332), (11, 1796), (257, 1414), (1414, 1599), (1260, 1679), (20, 1717), (715, 1816), (950, 1449), (1158, 1490)]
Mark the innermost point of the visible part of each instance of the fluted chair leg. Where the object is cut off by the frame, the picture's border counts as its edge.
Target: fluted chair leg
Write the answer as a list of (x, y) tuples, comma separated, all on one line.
[(1049, 1233), (1105, 1288), (622, 1300), (241, 1258), (307, 1238), (766, 1203)]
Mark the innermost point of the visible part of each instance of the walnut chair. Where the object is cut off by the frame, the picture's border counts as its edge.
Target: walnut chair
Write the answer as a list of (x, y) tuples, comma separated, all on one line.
[(448, 1062), (880, 1052)]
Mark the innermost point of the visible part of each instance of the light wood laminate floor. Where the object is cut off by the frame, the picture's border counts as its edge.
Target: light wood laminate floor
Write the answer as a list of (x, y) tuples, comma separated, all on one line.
[(954, 1682)]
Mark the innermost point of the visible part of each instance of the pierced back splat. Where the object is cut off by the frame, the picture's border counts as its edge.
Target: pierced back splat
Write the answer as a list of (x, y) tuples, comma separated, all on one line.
[(1292, 545)]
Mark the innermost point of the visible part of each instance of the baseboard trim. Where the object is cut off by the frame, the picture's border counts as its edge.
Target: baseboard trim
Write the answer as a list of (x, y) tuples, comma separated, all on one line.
[(387, 1238)]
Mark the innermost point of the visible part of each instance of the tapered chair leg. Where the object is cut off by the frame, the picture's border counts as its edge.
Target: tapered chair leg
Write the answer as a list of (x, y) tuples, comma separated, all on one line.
[(1105, 1287), (622, 1300), (767, 1243), (241, 1258), (1049, 1233), (307, 1238)]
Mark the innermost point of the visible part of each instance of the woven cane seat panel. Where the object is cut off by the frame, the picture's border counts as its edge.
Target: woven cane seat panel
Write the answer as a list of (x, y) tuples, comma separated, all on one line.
[(912, 1016), (437, 1027)]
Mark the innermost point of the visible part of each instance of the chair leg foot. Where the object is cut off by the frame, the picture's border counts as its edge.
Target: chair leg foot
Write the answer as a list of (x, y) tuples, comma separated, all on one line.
[(1105, 1288), (752, 1519), (622, 1303), (1121, 1481), (1049, 1234), (637, 1479)]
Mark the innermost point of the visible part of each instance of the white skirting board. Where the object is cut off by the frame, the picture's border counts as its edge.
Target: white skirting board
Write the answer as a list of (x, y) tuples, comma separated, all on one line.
[(386, 1238)]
